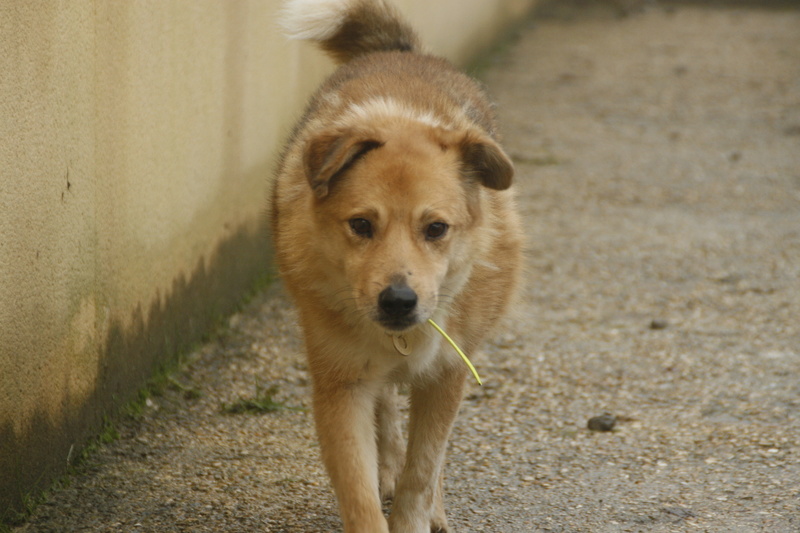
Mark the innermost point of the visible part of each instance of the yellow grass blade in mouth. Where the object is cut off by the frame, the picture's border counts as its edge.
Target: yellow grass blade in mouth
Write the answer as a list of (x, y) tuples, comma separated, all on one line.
[(457, 349)]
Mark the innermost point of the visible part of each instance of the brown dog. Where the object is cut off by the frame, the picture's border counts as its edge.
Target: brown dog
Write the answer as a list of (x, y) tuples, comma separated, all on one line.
[(391, 206)]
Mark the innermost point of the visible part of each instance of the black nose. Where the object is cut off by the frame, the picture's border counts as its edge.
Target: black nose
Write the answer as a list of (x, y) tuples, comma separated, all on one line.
[(397, 300)]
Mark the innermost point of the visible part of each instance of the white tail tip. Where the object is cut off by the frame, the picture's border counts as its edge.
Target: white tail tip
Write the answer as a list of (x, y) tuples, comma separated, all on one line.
[(313, 20)]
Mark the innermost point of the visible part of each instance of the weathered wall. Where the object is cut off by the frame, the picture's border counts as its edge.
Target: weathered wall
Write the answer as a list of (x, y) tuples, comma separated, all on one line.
[(136, 145)]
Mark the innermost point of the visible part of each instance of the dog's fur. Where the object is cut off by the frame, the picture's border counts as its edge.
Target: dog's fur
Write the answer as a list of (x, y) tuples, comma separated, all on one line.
[(391, 206)]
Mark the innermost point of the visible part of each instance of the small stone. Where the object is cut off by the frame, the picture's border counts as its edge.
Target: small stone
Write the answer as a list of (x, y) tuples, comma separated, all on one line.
[(658, 323), (604, 422)]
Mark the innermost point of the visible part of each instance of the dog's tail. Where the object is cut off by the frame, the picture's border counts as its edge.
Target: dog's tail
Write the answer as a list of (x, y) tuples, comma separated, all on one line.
[(349, 28)]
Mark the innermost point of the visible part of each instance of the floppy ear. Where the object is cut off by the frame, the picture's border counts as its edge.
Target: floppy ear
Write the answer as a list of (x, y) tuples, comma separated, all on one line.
[(485, 160), (329, 153)]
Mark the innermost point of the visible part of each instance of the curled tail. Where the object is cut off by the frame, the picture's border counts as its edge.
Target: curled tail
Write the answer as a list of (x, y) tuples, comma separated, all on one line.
[(349, 28)]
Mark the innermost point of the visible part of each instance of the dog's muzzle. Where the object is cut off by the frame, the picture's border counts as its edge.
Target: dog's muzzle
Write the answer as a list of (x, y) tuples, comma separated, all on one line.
[(397, 306)]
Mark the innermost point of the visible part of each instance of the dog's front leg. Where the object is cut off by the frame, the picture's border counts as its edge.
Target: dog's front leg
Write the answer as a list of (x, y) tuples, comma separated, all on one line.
[(418, 503), (345, 417)]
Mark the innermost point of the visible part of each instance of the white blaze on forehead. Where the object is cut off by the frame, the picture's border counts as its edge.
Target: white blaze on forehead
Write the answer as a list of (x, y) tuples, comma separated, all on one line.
[(315, 20), (383, 107)]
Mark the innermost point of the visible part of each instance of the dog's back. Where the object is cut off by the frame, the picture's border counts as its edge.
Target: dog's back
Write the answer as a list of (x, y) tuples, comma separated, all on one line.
[(376, 47)]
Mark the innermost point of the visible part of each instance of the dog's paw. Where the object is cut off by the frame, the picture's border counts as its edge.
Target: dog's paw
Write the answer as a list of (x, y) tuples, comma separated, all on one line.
[(439, 525), (400, 523)]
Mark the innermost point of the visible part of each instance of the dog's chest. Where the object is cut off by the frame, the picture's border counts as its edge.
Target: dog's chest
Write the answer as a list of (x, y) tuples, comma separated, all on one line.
[(398, 357)]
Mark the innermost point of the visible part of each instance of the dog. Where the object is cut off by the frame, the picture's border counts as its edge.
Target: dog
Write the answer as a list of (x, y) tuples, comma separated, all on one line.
[(392, 205)]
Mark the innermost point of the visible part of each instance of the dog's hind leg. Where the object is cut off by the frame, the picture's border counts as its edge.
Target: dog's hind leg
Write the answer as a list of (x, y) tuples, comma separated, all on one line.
[(391, 446)]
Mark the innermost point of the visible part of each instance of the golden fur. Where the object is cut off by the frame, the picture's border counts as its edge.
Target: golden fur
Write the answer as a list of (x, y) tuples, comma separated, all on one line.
[(391, 206)]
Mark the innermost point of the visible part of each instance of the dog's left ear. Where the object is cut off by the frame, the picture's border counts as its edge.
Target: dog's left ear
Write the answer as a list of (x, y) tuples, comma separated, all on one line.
[(485, 160), (330, 153)]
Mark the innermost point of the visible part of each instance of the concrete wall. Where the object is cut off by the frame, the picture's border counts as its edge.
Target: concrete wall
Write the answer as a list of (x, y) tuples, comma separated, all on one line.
[(137, 139)]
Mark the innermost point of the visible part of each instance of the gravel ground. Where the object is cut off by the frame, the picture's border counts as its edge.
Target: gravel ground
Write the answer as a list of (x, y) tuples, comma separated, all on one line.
[(658, 161)]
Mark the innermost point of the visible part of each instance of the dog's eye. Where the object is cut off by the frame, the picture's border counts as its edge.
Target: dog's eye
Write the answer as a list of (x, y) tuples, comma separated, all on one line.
[(361, 227), (436, 231)]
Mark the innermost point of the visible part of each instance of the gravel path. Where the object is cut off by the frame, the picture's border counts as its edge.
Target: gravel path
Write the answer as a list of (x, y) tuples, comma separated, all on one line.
[(659, 173)]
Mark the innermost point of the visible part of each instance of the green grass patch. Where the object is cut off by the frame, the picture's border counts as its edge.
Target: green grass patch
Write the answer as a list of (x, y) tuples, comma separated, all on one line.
[(502, 44), (262, 402)]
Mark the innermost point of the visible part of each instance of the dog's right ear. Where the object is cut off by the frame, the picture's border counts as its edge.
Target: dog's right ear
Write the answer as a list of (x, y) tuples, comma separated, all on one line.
[(330, 153)]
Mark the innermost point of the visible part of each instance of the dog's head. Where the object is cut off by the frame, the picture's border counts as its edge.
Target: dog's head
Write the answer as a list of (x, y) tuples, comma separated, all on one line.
[(398, 214)]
